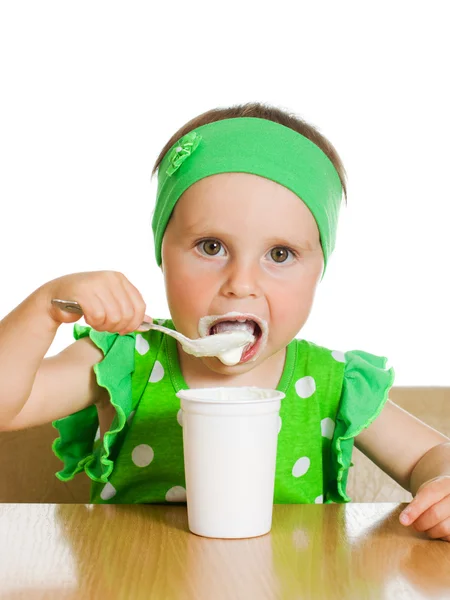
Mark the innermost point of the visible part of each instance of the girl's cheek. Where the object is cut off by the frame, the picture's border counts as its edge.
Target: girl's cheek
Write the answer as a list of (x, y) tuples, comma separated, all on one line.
[(189, 291), (193, 280)]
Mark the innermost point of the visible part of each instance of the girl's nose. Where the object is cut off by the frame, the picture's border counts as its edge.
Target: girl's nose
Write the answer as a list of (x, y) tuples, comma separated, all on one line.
[(242, 280)]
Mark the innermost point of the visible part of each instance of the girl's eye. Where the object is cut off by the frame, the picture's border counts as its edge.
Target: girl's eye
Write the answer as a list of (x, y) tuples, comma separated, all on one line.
[(280, 254), (210, 247)]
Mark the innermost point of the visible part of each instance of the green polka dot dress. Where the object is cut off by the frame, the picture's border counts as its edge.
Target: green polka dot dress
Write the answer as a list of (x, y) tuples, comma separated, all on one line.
[(330, 398)]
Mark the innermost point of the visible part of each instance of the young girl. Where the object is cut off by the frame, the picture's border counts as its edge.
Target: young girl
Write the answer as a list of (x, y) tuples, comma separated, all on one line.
[(245, 221)]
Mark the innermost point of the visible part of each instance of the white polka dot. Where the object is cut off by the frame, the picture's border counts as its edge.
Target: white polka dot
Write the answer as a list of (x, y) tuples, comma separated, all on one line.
[(180, 417), (305, 387), (279, 424), (142, 455), (338, 355), (301, 466), (157, 372), (327, 426), (300, 539), (97, 435), (131, 416), (108, 492), (176, 494), (319, 499), (142, 345), (178, 148), (160, 321)]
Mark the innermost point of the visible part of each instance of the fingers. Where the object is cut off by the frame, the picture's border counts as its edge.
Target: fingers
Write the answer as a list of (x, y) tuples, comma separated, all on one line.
[(440, 530), (433, 515), (109, 301), (434, 519), (94, 312), (114, 311), (431, 493), (429, 511), (139, 306)]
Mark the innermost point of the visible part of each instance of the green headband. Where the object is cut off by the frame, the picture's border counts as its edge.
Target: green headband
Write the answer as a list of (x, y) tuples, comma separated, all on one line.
[(251, 145)]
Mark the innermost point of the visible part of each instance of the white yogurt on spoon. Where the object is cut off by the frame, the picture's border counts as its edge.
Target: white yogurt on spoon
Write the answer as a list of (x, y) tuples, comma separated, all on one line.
[(227, 346), (239, 333)]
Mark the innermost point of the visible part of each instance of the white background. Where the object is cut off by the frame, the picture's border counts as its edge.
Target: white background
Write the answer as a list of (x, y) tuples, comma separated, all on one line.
[(91, 91)]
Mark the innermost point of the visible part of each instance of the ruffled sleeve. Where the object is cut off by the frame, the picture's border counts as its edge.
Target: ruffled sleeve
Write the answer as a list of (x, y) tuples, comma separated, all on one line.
[(364, 393), (77, 446)]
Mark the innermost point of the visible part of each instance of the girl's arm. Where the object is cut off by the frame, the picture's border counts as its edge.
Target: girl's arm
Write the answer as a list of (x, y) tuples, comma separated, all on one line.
[(34, 390), (64, 384), (418, 458), (396, 441)]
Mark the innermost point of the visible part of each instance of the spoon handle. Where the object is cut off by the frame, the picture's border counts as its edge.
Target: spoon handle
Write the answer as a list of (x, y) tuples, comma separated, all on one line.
[(175, 334)]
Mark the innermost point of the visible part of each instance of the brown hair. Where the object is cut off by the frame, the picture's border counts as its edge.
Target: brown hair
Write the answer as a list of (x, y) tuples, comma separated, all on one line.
[(261, 111)]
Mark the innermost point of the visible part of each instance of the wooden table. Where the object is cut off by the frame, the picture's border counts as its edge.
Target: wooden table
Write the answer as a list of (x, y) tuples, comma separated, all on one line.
[(98, 552)]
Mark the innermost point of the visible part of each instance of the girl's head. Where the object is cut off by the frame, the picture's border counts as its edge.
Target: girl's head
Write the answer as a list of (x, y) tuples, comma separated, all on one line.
[(245, 220)]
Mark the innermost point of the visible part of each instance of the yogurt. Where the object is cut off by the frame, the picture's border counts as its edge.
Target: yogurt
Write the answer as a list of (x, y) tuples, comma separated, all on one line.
[(227, 347), (240, 335), (233, 356)]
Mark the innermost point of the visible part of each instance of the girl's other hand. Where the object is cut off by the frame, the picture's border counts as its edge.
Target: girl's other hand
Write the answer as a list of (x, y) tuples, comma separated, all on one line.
[(429, 510), (108, 299)]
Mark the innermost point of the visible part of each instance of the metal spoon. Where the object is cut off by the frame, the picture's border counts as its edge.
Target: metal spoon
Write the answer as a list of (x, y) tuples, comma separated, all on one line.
[(211, 345)]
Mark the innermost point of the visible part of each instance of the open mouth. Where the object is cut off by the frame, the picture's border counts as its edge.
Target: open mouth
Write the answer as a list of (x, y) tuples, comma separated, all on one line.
[(237, 321)]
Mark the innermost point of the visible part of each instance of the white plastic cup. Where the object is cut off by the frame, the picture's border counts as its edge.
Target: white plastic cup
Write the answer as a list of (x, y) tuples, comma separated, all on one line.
[(230, 444)]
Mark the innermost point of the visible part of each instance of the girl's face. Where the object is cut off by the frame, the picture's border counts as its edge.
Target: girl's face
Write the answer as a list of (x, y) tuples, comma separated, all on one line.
[(239, 242)]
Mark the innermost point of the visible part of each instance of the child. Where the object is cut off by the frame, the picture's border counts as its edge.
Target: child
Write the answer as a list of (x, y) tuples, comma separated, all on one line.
[(245, 221)]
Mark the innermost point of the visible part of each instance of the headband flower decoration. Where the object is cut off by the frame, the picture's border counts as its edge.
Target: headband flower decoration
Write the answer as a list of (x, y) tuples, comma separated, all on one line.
[(184, 148)]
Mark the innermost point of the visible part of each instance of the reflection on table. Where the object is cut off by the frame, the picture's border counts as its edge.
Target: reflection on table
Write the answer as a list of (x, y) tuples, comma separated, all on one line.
[(134, 551)]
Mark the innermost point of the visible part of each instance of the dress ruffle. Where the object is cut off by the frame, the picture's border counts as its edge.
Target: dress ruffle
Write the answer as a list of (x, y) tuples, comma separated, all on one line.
[(76, 445), (365, 391)]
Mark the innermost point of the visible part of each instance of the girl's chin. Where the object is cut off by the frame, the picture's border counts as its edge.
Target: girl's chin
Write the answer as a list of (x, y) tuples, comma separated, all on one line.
[(218, 366), (250, 358)]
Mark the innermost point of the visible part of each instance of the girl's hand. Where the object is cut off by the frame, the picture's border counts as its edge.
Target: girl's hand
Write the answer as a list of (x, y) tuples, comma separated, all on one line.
[(429, 510), (108, 299)]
